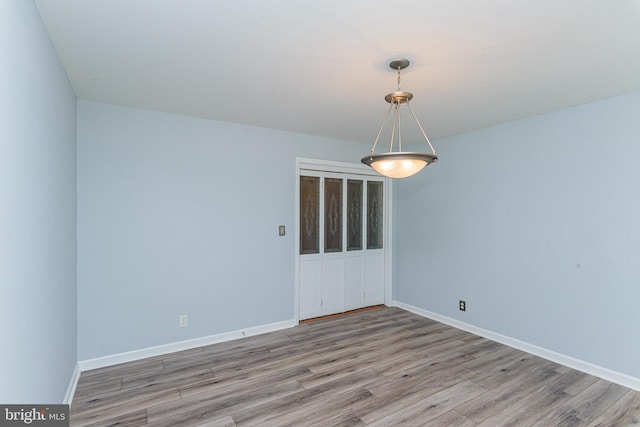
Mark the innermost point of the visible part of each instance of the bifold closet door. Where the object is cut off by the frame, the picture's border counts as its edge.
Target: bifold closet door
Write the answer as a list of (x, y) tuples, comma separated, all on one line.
[(374, 254), (341, 255), (354, 257), (310, 261)]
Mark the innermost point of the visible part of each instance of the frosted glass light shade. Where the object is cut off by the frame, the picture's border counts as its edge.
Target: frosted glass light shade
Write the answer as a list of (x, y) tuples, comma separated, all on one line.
[(399, 164)]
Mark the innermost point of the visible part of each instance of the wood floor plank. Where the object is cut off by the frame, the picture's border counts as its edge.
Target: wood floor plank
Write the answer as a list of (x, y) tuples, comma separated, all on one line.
[(398, 361), (209, 359), (402, 391), (526, 411), (624, 412), (367, 357), (432, 406), (225, 421), (265, 363), (304, 398), (170, 378), (580, 384), (381, 367), (202, 407), (238, 382), (343, 419), (501, 398), (587, 405), (390, 337), (451, 418), (133, 419), (301, 414), (114, 405), (87, 390), (506, 370), (101, 376)]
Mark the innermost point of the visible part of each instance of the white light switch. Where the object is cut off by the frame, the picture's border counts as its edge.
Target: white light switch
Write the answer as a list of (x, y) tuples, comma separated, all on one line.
[(281, 230)]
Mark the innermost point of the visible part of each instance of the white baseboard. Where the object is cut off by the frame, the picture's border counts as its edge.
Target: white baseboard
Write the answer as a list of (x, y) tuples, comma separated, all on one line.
[(130, 356), (71, 390), (571, 362)]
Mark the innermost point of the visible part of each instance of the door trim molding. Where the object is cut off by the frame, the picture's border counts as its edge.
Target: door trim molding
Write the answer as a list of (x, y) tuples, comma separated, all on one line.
[(333, 166), (318, 165)]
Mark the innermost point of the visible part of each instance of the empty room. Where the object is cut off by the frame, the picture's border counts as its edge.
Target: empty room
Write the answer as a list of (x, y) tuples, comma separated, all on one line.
[(236, 213)]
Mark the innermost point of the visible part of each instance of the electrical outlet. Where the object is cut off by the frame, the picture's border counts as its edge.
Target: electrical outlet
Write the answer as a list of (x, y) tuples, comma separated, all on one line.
[(462, 305), (183, 320)]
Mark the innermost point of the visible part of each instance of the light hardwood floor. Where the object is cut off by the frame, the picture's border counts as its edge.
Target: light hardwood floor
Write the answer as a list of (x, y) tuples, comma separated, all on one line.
[(382, 367)]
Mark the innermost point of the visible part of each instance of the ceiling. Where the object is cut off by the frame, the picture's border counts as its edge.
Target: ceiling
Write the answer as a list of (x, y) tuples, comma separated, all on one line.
[(319, 67)]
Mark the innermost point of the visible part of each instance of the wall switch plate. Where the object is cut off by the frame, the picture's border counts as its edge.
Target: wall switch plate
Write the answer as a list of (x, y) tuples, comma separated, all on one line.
[(462, 305), (281, 230), (183, 320)]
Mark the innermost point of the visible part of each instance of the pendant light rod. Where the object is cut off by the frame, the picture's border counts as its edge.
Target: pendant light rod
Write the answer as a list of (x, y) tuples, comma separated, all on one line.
[(384, 122), (393, 128), (433, 150)]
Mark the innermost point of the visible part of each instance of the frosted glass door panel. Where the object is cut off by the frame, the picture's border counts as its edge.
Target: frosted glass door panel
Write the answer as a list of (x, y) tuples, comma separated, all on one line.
[(354, 215), (375, 210), (332, 215), (309, 215)]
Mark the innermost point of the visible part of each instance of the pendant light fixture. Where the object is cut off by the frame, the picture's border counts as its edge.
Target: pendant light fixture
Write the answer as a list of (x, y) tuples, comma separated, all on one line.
[(399, 164)]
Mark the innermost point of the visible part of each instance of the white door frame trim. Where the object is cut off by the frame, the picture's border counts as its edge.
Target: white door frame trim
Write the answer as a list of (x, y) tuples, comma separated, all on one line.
[(303, 163)]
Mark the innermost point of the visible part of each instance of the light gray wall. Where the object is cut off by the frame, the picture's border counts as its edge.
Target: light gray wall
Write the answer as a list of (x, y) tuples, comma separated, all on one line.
[(37, 212), (179, 215), (535, 223)]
